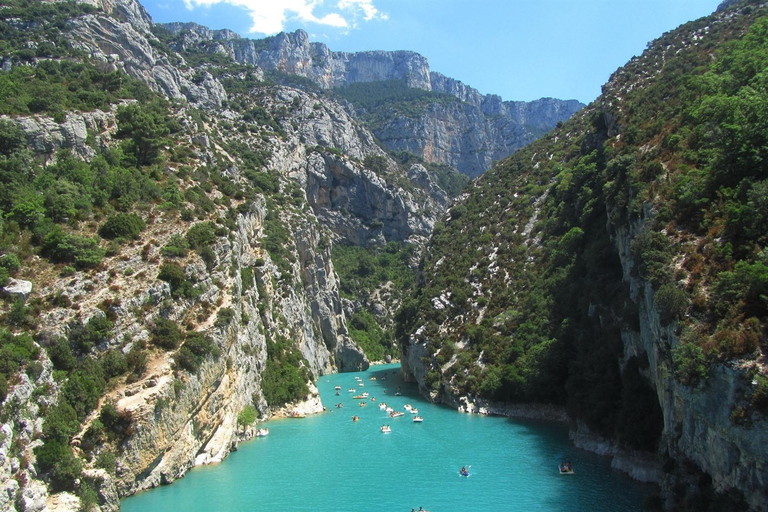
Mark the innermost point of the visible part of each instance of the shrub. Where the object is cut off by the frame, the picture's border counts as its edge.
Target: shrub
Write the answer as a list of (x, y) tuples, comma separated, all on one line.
[(653, 254), (96, 331), (137, 360), (177, 247), (67, 248), (106, 460), (114, 363), (208, 256), (166, 334), (201, 235), (184, 359), (247, 416), (671, 301), (689, 363), (11, 263), (224, 317), (174, 275), (201, 345), (15, 351), (122, 225), (61, 355)]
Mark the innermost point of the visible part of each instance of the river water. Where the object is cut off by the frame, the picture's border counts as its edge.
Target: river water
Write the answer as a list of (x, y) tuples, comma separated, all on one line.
[(328, 463)]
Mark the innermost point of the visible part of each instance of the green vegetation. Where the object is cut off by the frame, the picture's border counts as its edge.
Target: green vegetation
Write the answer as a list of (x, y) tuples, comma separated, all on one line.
[(391, 95), (16, 352), (181, 287), (362, 272), (196, 348), (277, 241), (368, 334), (286, 374), (166, 334), (526, 278), (177, 247), (247, 416), (122, 225)]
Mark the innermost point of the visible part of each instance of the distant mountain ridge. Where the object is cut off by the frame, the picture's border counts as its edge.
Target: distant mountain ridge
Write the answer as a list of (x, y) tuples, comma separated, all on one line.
[(485, 128)]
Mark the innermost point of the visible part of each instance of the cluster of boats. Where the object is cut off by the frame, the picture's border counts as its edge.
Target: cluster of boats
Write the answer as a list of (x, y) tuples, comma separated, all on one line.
[(391, 413)]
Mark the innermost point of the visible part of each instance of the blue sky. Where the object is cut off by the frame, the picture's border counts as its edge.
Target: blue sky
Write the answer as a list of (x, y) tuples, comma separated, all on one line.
[(518, 49)]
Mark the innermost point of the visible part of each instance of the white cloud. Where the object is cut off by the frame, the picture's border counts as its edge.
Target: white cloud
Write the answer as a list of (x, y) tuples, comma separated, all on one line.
[(365, 6), (270, 16)]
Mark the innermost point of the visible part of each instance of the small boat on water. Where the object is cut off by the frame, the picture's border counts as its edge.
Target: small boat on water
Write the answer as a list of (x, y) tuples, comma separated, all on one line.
[(297, 415), (407, 407), (339, 405), (390, 410), (262, 432), (373, 378), (382, 405), (464, 472), (396, 414), (386, 429), (337, 388), (351, 390), (359, 397), (414, 410), (418, 419), (361, 384), (565, 468), (397, 393)]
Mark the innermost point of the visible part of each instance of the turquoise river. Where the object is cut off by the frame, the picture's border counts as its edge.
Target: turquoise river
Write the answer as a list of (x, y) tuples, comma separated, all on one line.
[(327, 462)]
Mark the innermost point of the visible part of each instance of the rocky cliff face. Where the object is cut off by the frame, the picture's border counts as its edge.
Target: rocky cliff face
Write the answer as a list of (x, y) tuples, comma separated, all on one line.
[(468, 136), (120, 39), (698, 426), (319, 190)]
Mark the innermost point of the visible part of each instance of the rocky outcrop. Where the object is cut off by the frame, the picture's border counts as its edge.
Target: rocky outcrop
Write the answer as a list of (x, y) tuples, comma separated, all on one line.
[(18, 289), (325, 151), (124, 42), (469, 135), (44, 136), (697, 419)]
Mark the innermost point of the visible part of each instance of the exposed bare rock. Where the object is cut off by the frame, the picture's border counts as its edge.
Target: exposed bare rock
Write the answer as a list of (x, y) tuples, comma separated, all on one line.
[(18, 288), (124, 44), (468, 136), (45, 136)]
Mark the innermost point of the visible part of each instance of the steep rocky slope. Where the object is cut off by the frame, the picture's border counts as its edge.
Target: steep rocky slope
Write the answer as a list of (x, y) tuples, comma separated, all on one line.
[(616, 270), (179, 253), (468, 134)]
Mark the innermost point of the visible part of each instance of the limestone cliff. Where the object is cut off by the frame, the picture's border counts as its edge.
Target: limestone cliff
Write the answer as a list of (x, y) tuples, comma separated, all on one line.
[(468, 136), (275, 176)]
